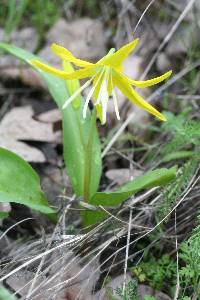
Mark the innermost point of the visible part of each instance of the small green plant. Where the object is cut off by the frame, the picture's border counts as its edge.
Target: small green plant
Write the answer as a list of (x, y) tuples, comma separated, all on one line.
[(156, 272), (190, 273), (184, 148), (130, 291), (171, 193)]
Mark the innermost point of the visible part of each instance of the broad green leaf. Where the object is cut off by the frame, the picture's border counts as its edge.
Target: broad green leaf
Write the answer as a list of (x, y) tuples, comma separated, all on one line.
[(5, 294), (177, 155), (19, 183), (75, 129), (150, 179)]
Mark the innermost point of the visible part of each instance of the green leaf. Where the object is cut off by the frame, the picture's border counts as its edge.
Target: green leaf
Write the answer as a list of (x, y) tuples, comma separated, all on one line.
[(19, 183), (150, 179), (178, 155), (75, 130), (5, 294)]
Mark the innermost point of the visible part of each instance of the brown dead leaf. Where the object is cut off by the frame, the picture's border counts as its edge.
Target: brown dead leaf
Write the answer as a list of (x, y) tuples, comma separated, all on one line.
[(84, 37), (13, 68), (87, 43), (51, 116), (18, 125)]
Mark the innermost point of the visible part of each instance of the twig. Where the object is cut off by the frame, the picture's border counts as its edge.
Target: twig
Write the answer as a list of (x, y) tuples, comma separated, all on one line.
[(127, 250), (177, 263)]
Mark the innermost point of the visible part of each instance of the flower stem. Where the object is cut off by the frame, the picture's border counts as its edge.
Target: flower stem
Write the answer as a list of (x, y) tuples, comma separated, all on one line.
[(88, 160)]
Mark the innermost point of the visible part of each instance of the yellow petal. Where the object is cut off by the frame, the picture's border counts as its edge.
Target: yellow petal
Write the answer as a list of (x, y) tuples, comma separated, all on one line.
[(115, 60), (79, 74), (127, 90), (47, 68), (150, 82), (72, 85), (65, 54)]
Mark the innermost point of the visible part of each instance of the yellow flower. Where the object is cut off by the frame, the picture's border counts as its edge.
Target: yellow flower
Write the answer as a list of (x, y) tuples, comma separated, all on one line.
[(104, 76)]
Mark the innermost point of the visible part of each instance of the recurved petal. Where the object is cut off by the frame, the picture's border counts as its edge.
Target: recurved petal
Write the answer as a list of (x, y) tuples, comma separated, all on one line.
[(79, 74), (115, 60), (44, 67), (65, 54), (128, 91), (150, 82)]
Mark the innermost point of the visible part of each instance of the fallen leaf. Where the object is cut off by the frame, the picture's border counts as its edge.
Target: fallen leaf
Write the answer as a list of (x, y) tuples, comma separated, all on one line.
[(26, 38), (51, 116), (87, 43), (18, 125)]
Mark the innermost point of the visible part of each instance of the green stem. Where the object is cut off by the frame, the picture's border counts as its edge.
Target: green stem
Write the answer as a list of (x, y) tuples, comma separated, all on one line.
[(88, 160)]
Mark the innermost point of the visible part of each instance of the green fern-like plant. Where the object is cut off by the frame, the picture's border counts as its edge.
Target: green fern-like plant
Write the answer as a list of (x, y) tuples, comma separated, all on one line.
[(184, 147), (171, 193), (184, 133), (190, 272), (130, 291)]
